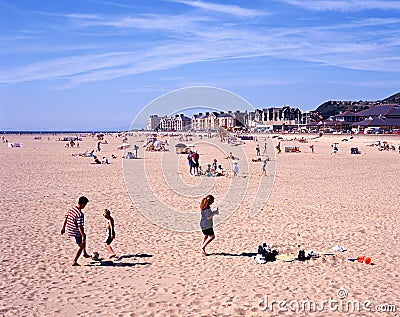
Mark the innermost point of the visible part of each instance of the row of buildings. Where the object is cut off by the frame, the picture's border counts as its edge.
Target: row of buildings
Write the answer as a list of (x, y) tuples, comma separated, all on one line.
[(385, 117), (279, 119), (214, 120)]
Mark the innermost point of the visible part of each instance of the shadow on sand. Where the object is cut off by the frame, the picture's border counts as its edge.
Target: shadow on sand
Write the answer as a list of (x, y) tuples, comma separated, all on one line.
[(117, 262), (128, 256), (245, 254)]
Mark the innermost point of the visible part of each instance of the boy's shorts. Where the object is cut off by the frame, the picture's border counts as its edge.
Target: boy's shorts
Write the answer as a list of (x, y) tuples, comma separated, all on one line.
[(78, 240)]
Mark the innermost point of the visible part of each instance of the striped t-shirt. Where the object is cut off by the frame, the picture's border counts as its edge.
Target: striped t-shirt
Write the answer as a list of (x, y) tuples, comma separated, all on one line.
[(75, 218)]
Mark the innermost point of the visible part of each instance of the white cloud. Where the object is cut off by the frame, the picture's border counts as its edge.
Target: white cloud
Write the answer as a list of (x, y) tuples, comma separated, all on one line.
[(222, 8), (344, 5), (144, 21), (173, 41)]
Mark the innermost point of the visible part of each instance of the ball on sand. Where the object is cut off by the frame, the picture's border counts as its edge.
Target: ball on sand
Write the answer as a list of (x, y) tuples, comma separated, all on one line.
[(95, 255)]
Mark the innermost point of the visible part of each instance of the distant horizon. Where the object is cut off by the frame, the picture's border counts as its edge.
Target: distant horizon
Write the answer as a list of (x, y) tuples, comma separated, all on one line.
[(126, 128), (61, 131)]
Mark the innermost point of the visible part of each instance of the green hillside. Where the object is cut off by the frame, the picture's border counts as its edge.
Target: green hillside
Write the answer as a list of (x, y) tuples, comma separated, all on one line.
[(334, 107)]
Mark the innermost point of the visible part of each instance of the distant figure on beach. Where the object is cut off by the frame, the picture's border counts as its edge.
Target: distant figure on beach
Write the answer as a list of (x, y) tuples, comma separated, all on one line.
[(214, 166), (206, 222), (278, 148), (208, 171), (96, 160), (312, 148), (74, 222), (196, 164), (190, 162), (258, 150), (220, 171), (264, 167), (335, 149), (98, 146), (265, 148), (235, 168), (110, 232)]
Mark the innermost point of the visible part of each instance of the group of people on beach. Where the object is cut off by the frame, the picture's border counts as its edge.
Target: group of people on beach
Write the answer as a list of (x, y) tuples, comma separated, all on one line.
[(74, 226), (213, 169)]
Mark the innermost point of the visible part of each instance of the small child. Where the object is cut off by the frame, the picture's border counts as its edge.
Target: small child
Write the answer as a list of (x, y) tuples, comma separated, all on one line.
[(110, 232), (235, 168)]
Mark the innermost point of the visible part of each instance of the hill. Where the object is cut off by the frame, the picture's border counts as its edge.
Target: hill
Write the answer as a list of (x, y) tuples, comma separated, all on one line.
[(392, 99), (334, 107)]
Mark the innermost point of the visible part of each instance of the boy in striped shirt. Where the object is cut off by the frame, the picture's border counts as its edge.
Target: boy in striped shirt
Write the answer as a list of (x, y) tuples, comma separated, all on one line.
[(74, 222)]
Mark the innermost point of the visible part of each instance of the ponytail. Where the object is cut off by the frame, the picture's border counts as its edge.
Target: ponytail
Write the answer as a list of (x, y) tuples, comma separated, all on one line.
[(205, 202)]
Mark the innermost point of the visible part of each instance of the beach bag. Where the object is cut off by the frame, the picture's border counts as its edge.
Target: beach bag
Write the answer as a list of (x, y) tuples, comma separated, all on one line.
[(267, 253)]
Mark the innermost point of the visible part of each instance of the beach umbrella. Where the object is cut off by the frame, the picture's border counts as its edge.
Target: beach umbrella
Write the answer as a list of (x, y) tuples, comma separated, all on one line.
[(123, 146)]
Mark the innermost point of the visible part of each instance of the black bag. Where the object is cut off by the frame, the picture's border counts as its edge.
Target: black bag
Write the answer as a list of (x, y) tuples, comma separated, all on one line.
[(267, 253)]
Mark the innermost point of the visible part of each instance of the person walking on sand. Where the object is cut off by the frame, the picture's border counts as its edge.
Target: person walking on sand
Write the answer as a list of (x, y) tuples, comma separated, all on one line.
[(258, 150), (74, 222), (264, 167), (110, 232), (278, 148), (335, 149), (206, 222)]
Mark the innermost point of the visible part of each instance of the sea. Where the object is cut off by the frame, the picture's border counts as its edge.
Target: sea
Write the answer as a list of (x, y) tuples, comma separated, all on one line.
[(83, 132)]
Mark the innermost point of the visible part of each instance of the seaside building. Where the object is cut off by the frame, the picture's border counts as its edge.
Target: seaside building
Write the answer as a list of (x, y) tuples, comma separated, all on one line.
[(215, 120), (278, 118), (153, 123), (380, 114), (200, 121), (385, 117), (341, 122), (179, 122)]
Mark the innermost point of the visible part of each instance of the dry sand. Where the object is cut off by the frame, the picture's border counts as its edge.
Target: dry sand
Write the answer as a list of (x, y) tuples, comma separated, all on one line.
[(317, 201)]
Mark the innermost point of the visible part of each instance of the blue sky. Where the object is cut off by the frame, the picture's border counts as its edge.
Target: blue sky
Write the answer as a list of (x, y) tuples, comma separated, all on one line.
[(94, 64)]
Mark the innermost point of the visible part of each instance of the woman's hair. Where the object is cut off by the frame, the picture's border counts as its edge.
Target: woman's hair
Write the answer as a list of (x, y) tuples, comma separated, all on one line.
[(106, 212), (207, 201)]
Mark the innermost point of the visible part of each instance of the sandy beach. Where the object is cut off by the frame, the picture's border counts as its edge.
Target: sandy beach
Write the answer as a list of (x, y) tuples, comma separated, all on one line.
[(310, 201)]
